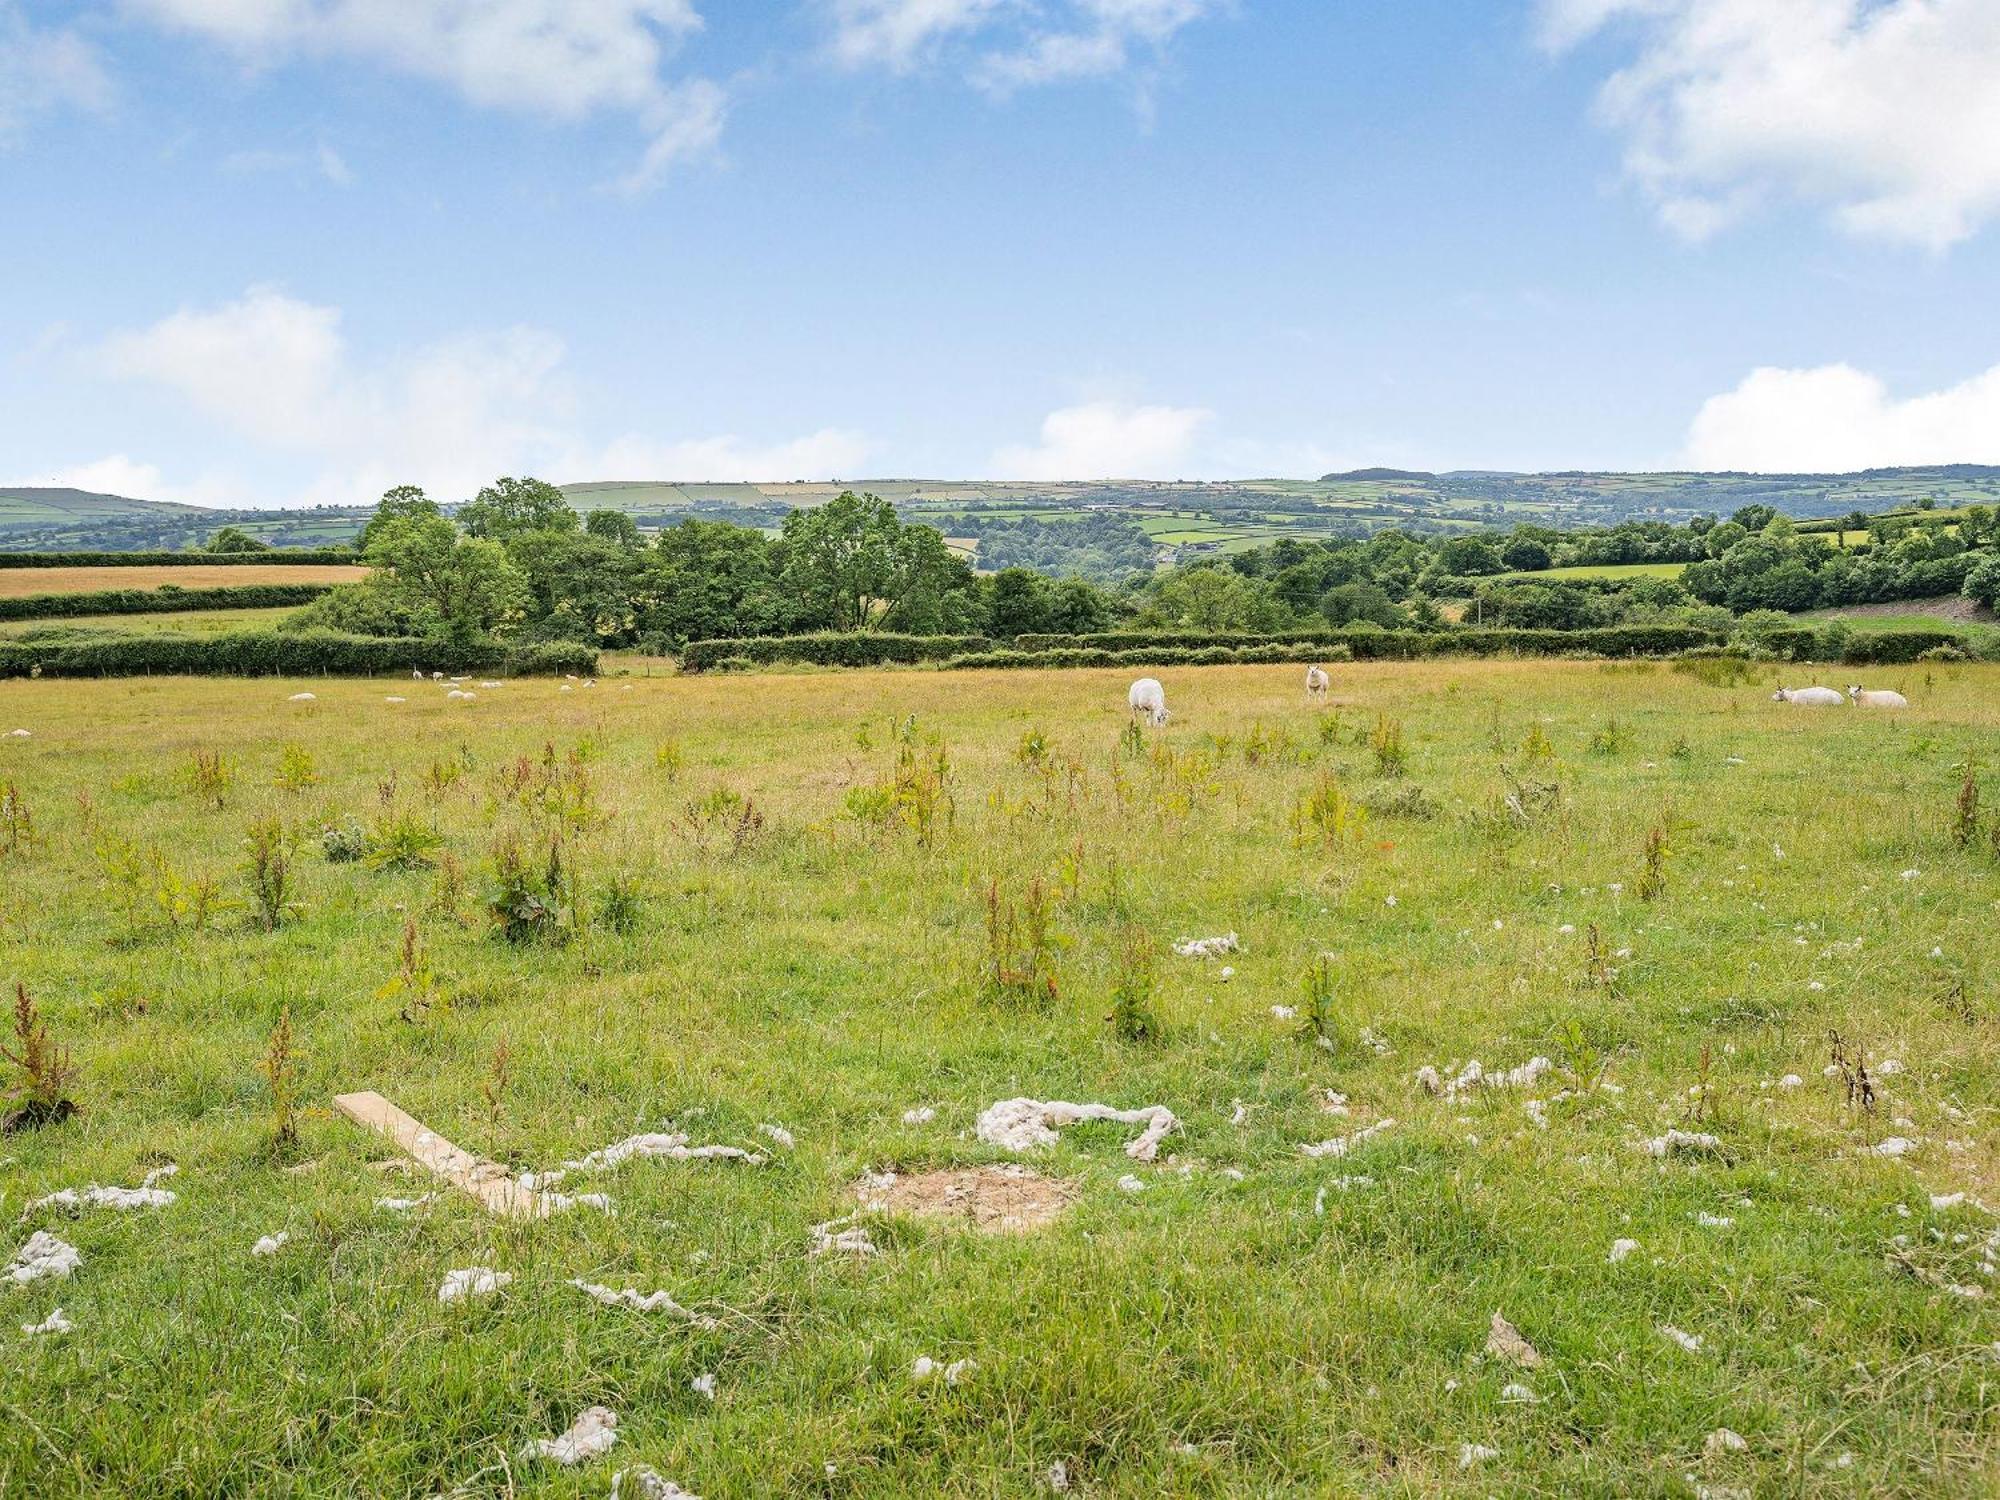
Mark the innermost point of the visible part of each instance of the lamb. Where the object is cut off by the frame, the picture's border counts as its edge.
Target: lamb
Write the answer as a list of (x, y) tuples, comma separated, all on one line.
[(1149, 698), (1809, 697), (1878, 698), (1317, 682)]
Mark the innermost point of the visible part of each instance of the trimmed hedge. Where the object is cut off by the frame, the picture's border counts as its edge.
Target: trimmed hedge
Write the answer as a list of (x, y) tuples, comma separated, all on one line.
[(1124, 650), (267, 653), (831, 649), (1136, 640), (1897, 647), (167, 599), (276, 557)]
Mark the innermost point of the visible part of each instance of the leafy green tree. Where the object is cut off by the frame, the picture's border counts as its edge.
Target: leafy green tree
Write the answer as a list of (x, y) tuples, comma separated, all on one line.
[(236, 539), (854, 566), (580, 587), (1524, 554), (1078, 607), (453, 586), (1470, 557), (1218, 599), (403, 502), (508, 508), (1755, 517), (614, 526), (1017, 603), (1349, 603), (1982, 583), (708, 580)]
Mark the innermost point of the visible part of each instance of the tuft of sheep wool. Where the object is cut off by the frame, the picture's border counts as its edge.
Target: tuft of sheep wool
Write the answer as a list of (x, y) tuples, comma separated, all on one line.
[(1024, 1124)]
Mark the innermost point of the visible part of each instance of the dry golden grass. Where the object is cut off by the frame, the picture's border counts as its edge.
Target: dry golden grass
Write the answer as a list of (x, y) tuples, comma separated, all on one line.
[(15, 583)]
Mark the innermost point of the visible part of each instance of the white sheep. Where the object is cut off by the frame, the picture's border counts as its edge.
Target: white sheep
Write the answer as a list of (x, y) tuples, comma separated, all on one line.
[(1149, 698), (1809, 697), (1880, 698), (1317, 682)]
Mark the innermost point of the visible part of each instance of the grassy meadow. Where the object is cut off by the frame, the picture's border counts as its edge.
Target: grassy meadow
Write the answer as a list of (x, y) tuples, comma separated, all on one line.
[(777, 904), (19, 582)]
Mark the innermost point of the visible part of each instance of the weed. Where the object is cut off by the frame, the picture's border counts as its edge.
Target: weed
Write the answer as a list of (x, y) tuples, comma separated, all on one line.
[(1852, 1061), (414, 980), (499, 1073), (1316, 990), (441, 777), (1033, 749), (268, 871), (1020, 945), (296, 769), (1704, 1105), (621, 902), (1613, 738), (1132, 741), (1326, 815), (1537, 748), (45, 1069), (344, 842), (209, 776), (17, 824), (1132, 1018), (403, 841), (669, 759), (281, 1070), (1965, 818), (527, 904), (1579, 1060), (1386, 741), (1653, 874)]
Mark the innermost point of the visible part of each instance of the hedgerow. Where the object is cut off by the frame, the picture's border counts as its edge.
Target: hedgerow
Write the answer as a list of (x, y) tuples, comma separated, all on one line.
[(832, 649), (167, 599), (268, 653)]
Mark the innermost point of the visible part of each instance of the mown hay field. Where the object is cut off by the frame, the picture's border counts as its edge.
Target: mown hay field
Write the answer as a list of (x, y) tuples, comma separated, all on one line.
[(774, 907), (18, 582), (175, 622)]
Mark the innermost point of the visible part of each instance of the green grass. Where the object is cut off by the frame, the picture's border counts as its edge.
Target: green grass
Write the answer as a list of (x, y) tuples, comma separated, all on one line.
[(1209, 1335)]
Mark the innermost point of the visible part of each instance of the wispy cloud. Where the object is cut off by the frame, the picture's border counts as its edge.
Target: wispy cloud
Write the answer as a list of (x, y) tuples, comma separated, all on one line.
[(561, 59), (45, 68)]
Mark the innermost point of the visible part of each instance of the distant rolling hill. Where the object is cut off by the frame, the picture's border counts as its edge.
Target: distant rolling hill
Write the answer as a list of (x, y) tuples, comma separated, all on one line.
[(1220, 514)]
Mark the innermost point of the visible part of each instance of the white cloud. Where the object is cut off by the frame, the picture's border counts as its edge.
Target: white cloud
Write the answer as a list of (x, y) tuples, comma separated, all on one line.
[(564, 59), (277, 372), (45, 68), (898, 34), (1886, 112), (323, 160), (1836, 419), (1009, 44), (1108, 440), (112, 475)]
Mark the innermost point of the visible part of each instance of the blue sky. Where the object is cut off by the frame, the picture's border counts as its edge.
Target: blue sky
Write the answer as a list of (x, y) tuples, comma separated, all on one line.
[(285, 251)]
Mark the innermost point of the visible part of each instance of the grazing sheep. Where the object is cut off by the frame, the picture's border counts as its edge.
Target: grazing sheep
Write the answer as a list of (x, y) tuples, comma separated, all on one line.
[(1880, 698), (1810, 697), (1317, 682), (1149, 698)]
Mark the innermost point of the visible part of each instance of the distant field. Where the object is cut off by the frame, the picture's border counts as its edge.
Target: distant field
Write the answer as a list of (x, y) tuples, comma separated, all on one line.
[(18, 582), (1608, 570), (190, 622)]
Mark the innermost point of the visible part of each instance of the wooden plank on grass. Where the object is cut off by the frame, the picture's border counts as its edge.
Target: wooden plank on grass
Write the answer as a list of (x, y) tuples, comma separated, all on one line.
[(487, 1181)]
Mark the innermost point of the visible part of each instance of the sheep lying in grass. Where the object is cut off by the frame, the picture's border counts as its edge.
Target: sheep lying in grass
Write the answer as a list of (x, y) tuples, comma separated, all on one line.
[(1149, 698), (1879, 698), (1317, 682), (1808, 697)]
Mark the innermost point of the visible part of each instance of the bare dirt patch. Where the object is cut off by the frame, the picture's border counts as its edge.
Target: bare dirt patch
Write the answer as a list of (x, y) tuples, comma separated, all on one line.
[(993, 1200), (18, 582), (1952, 608)]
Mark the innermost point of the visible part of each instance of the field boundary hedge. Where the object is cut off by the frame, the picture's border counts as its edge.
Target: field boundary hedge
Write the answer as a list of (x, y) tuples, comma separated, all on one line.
[(167, 599), (1188, 649), (830, 649), (269, 653), (300, 557)]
